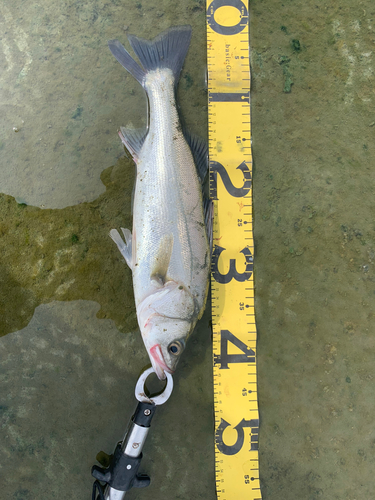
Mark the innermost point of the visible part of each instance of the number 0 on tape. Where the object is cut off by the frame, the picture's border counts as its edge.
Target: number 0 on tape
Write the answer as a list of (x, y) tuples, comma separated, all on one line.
[(234, 346)]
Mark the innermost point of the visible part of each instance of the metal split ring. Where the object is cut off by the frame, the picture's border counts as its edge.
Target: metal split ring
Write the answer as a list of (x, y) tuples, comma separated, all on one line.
[(140, 393)]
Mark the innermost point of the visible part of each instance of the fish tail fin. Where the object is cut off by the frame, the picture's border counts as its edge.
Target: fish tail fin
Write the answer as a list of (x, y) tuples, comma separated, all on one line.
[(167, 50), (126, 60)]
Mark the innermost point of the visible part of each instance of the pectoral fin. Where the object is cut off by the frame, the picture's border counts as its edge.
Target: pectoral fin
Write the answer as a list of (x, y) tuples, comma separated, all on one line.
[(171, 301), (162, 259), (175, 302)]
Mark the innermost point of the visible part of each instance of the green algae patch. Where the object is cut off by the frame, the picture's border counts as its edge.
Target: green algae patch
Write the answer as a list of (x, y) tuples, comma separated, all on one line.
[(67, 254), (296, 45), (284, 63)]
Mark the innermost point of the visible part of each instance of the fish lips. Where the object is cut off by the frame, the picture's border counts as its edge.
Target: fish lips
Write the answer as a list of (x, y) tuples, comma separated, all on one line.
[(158, 363)]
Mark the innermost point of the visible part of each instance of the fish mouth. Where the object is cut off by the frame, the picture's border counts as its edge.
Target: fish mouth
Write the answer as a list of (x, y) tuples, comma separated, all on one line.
[(158, 362)]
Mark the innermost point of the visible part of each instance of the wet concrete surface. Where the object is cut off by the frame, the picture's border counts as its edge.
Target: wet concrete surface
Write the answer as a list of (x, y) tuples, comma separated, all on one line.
[(71, 354)]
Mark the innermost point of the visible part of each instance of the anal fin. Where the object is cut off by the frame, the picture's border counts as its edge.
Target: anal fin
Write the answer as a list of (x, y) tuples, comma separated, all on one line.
[(133, 139)]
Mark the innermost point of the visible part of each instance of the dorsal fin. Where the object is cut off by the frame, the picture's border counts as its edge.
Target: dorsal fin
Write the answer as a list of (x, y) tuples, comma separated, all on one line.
[(199, 151), (208, 210)]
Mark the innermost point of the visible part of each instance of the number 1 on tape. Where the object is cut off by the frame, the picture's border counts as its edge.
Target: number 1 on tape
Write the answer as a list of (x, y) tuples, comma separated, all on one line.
[(232, 285)]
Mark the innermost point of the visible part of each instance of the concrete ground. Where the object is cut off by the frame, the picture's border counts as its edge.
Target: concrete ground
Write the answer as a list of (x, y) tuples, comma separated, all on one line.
[(70, 354)]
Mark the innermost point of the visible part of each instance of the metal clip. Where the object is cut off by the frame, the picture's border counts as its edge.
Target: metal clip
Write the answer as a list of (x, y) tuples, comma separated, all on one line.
[(157, 400), (122, 473)]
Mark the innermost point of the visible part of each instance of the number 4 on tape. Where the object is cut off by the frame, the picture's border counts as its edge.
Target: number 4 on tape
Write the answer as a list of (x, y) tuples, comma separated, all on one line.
[(247, 356)]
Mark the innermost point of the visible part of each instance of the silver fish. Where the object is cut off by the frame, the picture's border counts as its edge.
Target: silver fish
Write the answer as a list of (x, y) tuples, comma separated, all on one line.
[(168, 250)]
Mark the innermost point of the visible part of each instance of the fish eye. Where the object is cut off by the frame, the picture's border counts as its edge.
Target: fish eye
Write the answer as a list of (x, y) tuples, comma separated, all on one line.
[(175, 348)]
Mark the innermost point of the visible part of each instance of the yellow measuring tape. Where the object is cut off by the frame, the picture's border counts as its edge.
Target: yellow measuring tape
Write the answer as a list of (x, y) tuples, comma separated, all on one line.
[(232, 285)]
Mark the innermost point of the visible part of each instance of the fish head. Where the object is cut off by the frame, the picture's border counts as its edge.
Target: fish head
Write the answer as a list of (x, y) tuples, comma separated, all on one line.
[(165, 342), (166, 318)]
